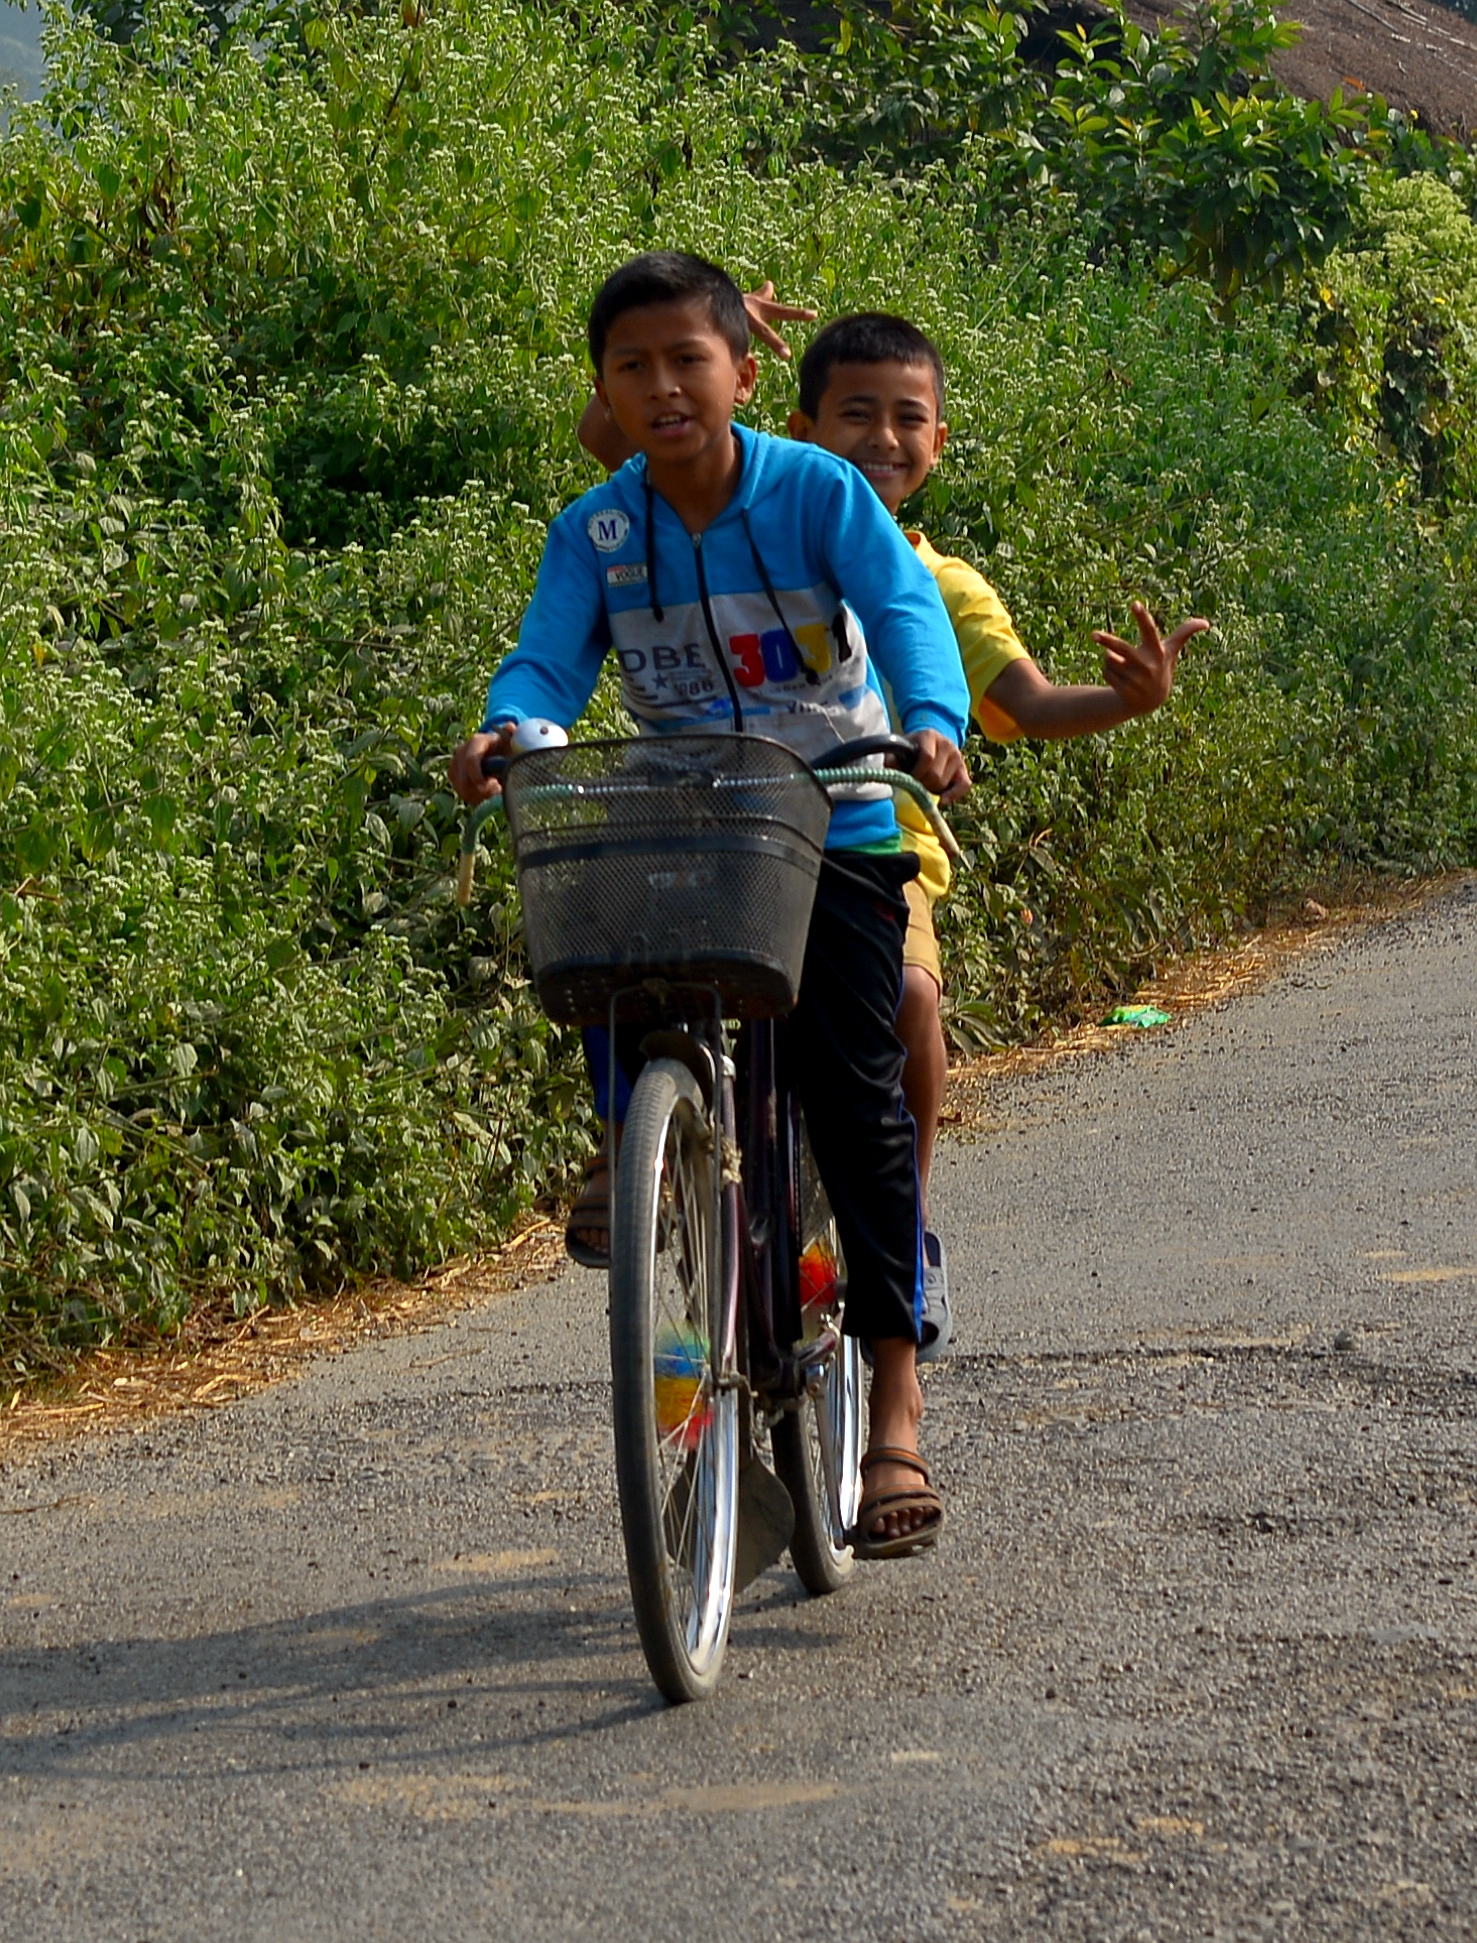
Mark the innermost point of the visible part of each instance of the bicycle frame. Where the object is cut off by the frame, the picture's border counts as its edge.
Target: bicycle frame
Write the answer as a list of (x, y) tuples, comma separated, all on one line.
[(753, 1335), (758, 1216)]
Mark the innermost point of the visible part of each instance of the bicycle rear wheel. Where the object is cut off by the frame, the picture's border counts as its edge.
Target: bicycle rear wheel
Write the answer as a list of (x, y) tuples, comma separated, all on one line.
[(676, 1429), (818, 1446)]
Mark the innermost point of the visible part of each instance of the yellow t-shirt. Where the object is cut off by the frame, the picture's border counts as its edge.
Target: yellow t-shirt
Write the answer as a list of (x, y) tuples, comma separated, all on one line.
[(987, 646)]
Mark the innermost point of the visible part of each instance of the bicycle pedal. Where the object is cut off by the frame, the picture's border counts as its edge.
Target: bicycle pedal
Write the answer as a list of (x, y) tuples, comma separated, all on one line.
[(814, 1361)]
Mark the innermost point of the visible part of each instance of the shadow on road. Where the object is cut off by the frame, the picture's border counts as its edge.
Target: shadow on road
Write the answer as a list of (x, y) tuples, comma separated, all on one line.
[(370, 1674), (422, 1652)]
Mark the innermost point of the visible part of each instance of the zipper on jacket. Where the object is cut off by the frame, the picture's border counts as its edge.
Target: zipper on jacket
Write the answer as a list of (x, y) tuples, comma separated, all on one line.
[(722, 658)]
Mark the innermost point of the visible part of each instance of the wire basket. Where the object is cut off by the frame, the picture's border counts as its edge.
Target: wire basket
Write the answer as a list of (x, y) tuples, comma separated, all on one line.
[(687, 858)]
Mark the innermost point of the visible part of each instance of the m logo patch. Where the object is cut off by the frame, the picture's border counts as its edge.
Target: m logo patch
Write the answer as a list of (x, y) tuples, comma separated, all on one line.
[(608, 528)]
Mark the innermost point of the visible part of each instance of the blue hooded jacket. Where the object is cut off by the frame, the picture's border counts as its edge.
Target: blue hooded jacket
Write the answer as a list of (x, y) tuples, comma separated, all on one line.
[(752, 624)]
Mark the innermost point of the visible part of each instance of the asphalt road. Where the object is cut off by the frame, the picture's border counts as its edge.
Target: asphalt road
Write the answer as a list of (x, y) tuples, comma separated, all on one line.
[(1196, 1657)]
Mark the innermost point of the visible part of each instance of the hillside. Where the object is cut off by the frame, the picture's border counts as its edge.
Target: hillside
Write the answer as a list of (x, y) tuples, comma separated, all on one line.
[(1420, 57), (291, 358)]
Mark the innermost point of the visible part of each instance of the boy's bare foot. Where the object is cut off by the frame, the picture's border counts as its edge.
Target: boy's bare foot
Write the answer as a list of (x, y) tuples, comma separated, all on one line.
[(896, 1408)]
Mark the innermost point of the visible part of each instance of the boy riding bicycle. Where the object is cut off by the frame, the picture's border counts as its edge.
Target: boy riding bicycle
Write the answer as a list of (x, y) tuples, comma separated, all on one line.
[(716, 563)]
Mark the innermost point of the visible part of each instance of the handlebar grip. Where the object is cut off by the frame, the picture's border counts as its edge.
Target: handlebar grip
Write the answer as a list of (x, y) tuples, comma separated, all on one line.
[(902, 753), (495, 767)]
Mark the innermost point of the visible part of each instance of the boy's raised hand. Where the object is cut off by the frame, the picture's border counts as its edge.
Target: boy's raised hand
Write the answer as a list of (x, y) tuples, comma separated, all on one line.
[(765, 313), (1141, 673)]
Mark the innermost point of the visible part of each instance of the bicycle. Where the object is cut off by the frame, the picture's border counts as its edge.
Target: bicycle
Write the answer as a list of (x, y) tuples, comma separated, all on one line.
[(667, 884)]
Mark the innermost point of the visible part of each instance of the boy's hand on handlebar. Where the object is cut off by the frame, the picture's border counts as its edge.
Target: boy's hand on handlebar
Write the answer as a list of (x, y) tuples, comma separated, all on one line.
[(1141, 673), (466, 774), (941, 768)]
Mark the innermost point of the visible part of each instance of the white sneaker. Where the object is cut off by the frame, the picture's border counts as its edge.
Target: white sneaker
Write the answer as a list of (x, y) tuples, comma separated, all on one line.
[(938, 1320)]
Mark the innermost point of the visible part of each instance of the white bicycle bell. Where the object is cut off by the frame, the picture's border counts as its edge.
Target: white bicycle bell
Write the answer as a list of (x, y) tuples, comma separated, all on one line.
[(536, 733)]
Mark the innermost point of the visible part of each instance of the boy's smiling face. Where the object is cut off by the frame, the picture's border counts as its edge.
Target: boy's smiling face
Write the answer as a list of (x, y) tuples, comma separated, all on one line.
[(671, 381), (885, 419)]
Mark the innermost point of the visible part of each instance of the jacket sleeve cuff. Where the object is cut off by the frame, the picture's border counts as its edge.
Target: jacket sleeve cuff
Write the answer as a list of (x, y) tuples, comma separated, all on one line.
[(923, 716), (493, 720)]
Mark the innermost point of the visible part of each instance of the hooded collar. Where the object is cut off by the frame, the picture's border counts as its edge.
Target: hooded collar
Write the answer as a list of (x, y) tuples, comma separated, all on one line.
[(752, 457)]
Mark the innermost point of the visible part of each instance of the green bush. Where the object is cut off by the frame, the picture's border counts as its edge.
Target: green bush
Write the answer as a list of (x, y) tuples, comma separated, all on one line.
[(1181, 141), (1134, 445), (1393, 324), (290, 363)]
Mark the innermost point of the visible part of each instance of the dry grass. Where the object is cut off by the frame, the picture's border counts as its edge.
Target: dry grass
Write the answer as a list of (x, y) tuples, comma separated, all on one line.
[(215, 1357)]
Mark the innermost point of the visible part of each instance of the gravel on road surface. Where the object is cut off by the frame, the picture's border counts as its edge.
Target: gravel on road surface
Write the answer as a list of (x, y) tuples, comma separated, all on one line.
[(1197, 1655)]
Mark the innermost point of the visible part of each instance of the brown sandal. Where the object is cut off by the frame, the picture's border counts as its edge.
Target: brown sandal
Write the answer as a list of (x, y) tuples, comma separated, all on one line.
[(590, 1211), (872, 1510)]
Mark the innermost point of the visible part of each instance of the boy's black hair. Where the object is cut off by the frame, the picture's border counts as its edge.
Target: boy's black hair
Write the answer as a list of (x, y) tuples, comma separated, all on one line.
[(868, 337), (666, 277)]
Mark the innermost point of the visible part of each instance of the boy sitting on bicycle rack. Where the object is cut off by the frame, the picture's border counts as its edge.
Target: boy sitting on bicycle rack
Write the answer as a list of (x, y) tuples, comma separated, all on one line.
[(716, 564), (872, 392)]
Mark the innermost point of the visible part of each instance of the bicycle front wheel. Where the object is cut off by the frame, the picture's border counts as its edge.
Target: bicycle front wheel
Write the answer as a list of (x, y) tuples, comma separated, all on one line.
[(676, 1418)]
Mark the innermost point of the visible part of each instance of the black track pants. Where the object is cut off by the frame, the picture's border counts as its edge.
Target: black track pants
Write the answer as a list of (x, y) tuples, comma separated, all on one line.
[(840, 1049)]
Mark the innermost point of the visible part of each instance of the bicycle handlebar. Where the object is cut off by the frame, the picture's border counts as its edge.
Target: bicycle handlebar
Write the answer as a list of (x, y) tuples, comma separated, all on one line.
[(844, 766), (901, 785), (903, 754)]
